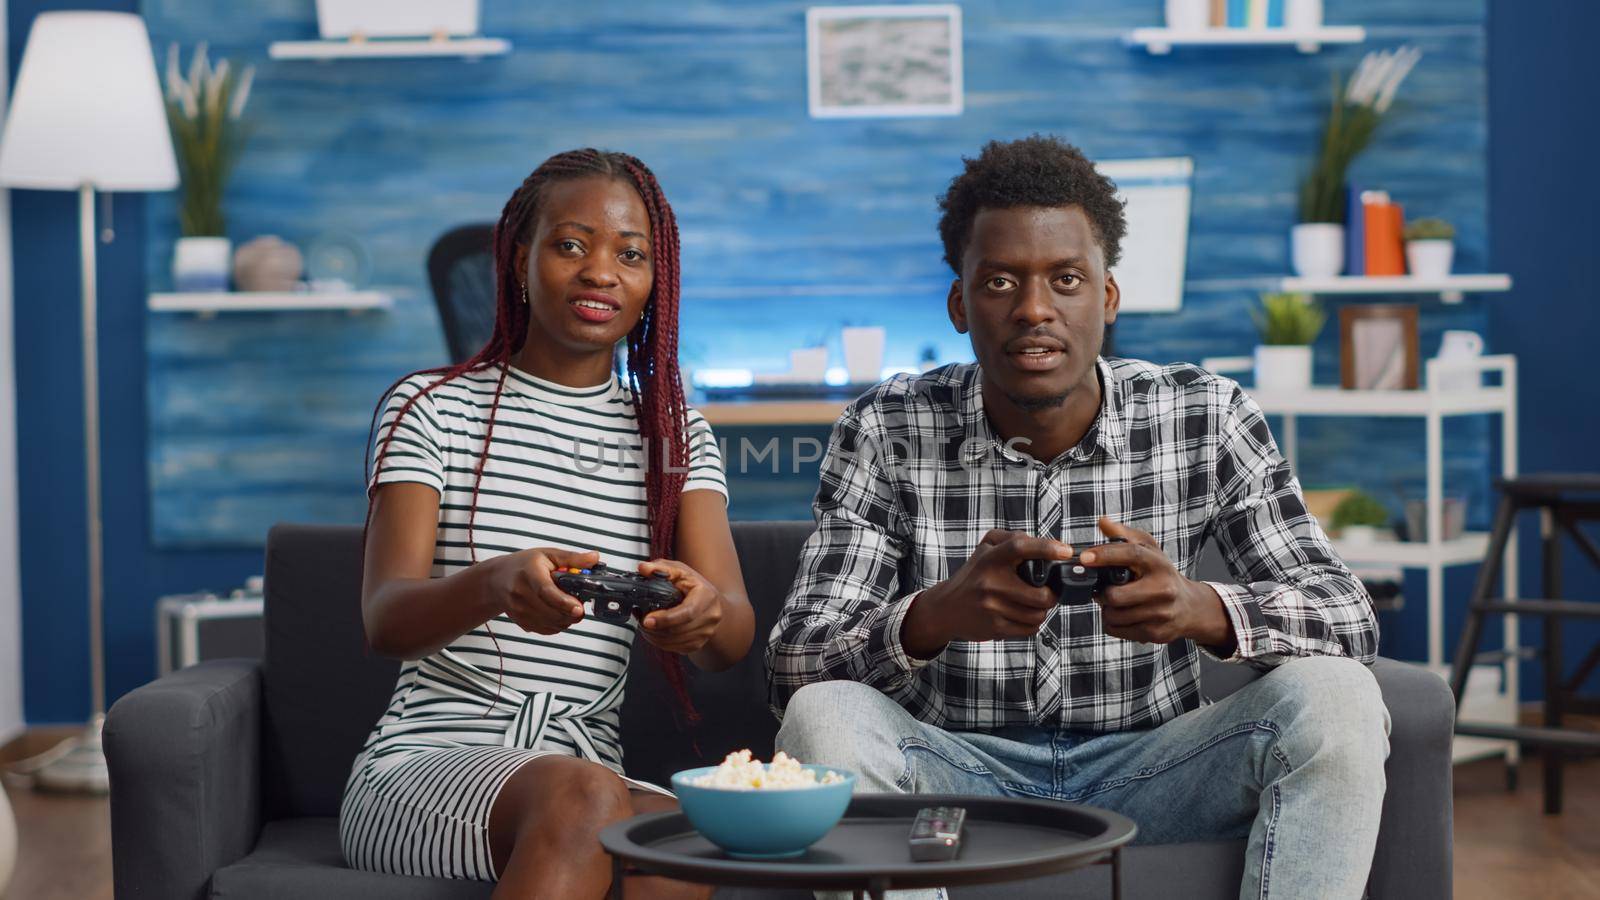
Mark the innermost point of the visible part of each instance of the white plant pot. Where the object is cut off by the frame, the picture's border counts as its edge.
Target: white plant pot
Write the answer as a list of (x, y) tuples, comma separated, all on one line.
[(1283, 368), (1430, 259), (1188, 15), (201, 263), (863, 353), (1302, 15), (1317, 249), (1359, 535)]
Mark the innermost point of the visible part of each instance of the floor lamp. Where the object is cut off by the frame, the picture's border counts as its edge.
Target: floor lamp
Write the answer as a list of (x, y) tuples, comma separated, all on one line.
[(87, 115)]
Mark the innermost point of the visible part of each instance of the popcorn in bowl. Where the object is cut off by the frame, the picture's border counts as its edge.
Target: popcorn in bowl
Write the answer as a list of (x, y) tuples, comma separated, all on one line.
[(740, 772)]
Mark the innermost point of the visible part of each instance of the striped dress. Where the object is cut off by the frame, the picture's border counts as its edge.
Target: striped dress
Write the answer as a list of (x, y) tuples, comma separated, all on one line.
[(565, 470)]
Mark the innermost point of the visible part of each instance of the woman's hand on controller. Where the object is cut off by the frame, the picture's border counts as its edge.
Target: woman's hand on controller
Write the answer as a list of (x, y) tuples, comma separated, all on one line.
[(686, 627), (523, 587)]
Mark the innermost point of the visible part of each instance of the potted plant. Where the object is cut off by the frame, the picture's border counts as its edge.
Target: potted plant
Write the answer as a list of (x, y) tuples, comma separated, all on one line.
[(1430, 248), (1358, 517), (204, 109), (1288, 324), (1359, 105)]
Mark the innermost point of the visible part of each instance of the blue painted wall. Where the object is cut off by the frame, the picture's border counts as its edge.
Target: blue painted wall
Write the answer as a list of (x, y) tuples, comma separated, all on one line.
[(792, 228), (1544, 88)]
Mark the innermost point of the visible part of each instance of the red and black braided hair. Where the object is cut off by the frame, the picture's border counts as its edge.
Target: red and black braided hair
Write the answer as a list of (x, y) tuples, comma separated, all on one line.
[(652, 354)]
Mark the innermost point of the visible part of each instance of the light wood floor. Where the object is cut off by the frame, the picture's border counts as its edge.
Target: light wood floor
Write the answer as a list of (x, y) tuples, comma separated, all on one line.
[(1505, 845)]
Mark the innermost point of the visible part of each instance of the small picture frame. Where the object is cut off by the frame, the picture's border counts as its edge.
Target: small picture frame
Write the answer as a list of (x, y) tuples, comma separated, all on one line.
[(878, 61), (1378, 347)]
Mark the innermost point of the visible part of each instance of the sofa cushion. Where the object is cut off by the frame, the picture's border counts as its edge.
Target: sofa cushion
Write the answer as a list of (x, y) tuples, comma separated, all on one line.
[(296, 859)]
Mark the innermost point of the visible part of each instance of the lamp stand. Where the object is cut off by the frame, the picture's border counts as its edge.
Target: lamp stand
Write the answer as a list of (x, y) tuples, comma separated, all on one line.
[(82, 767)]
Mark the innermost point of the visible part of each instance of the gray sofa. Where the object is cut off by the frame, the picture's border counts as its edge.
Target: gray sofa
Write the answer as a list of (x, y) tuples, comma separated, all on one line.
[(226, 777)]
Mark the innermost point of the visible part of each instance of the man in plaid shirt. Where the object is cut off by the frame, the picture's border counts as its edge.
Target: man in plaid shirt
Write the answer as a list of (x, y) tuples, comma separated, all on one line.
[(911, 651)]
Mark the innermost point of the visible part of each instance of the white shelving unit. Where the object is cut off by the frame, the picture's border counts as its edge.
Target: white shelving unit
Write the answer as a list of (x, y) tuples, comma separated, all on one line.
[(470, 48), (1494, 698), (1449, 289), (210, 304), (1160, 41)]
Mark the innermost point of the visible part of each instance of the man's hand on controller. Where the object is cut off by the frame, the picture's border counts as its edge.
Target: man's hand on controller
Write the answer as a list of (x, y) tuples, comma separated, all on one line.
[(686, 627), (1159, 605), (984, 599)]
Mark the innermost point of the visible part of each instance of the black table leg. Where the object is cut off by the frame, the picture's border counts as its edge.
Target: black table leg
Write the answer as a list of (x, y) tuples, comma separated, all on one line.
[(877, 887), (1116, 874), (617, 888)]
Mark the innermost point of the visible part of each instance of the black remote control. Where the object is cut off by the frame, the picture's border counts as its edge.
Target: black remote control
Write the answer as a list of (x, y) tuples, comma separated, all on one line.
[(1072, 581), (936, 833)]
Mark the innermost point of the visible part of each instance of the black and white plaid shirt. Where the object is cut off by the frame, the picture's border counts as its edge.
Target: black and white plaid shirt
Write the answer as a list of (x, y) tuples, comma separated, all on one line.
[(915, 476)]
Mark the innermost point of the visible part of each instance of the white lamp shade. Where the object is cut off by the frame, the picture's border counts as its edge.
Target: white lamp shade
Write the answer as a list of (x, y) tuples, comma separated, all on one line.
[(87, 108)]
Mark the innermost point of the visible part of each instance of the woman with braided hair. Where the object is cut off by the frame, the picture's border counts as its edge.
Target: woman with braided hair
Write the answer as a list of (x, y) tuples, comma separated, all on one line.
[(499, 756)]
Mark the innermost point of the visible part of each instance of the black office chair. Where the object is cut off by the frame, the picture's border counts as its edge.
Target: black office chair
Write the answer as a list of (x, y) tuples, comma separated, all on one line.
[(461, 270)]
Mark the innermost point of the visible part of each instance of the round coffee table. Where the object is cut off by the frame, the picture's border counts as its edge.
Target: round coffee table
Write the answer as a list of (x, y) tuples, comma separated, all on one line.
[(1004, 839)]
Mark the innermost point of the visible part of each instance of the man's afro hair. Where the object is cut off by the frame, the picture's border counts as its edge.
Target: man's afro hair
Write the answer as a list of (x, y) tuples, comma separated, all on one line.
[(1031, 171)]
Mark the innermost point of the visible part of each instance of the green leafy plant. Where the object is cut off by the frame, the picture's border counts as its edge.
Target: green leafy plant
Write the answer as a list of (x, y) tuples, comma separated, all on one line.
[(1286, 319), (1359, 508), (1358, 107), (204, 111), (1430, 230)]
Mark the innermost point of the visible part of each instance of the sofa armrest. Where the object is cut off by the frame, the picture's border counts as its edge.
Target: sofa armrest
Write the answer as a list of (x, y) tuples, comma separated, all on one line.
[(185, 759), (1413, 858)]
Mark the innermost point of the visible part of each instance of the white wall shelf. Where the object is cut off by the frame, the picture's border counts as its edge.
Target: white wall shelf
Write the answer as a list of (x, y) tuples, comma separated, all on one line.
[(210, 304), (1332, 401), (387, 48), (1469, 548), (1450, 289), (1160, 41)]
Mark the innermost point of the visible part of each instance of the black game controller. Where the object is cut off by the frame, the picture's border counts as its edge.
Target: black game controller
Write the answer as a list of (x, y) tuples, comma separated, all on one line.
[(616, 595), (1072, 581)]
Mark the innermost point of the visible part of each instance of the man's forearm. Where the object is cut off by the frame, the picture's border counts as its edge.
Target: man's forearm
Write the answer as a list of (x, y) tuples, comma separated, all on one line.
[(920, 633)]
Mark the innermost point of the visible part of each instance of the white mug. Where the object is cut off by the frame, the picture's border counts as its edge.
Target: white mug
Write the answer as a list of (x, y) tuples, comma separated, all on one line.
[(1459, 344), (1459, 347)]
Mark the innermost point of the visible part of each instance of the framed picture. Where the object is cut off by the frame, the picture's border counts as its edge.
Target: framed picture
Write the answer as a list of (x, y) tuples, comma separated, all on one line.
[(865, 61), (1378, 347)]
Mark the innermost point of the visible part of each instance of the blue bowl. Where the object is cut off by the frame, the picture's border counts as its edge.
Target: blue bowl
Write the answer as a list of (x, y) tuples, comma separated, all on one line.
[(763, 824)]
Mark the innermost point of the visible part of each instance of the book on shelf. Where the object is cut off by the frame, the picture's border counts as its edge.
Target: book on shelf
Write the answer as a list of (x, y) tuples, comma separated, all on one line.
[(1355, 232), (1255, 14), (1238, 13), (1384, 227)]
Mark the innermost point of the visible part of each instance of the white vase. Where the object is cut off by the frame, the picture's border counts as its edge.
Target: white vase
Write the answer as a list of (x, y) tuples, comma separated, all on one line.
[(863, 354), (1283, 368), (201, 263), (1430, 259), (1302, 15), (1188, 15), (1317, 249)]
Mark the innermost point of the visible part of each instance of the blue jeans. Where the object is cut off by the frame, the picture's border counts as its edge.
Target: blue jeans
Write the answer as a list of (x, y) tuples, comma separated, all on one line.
[(1293, 761)]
